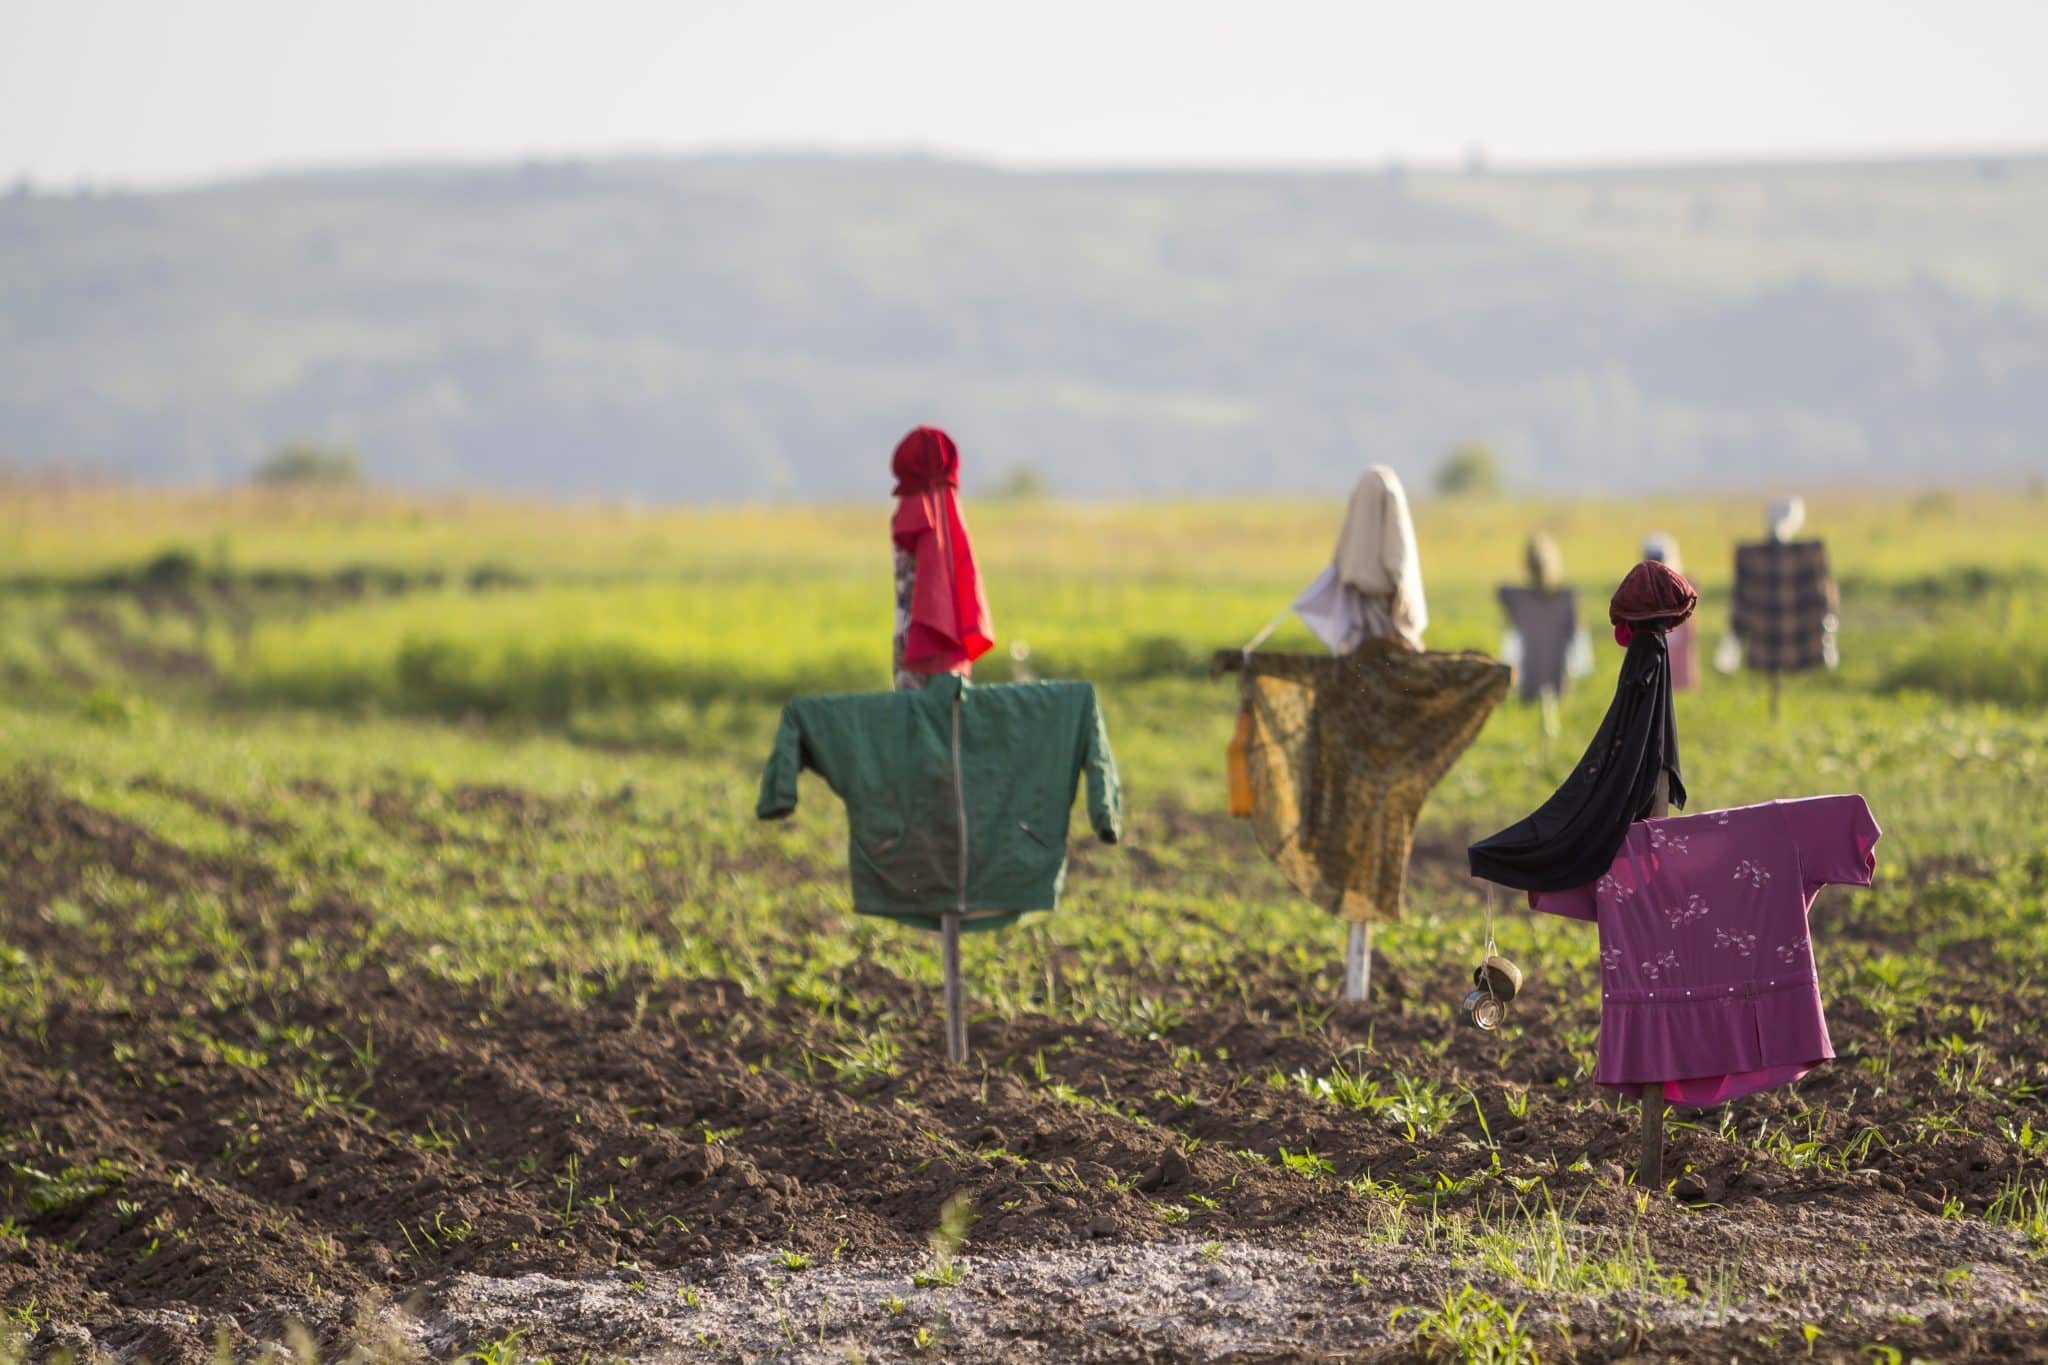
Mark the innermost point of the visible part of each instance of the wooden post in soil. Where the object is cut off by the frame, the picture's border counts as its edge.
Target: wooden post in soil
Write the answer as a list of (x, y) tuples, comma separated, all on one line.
[(956, 996), (1650, 1169), (1775, 678), (1358, 963)]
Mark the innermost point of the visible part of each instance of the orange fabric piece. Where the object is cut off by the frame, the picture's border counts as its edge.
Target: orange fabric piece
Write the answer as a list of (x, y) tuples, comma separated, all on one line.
[(1238, 767)]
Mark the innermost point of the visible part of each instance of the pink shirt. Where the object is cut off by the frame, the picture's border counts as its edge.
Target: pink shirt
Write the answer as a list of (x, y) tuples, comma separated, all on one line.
[(1683, 644), (1707, 979)]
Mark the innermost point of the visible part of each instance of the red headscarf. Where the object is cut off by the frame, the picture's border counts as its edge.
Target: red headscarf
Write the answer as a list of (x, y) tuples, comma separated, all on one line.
[(1653, 595), (949, 623)]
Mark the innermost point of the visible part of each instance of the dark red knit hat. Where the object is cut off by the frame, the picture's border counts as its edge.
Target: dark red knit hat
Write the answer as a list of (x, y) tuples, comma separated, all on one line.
[(1653, 595)]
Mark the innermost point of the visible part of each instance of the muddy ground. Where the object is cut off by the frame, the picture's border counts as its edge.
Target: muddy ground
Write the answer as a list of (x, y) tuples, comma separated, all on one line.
[(401, 1165)]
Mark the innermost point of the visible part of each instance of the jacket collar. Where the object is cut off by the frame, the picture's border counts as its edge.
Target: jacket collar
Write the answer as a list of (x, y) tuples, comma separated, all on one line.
[(942, 688)]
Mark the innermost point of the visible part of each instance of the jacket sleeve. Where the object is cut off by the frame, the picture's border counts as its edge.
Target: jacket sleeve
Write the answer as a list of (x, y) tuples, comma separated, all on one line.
[(785, 762), (1105, 793)]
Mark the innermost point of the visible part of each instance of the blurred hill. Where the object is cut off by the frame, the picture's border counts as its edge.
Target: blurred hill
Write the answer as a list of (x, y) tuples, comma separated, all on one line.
[(766, 327)]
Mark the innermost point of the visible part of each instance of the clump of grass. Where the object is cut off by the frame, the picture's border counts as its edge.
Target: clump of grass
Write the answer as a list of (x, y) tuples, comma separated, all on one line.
[(1341, 1087), (2023, 1205), (1421, 1106), (69, 1187), (1543, 1248), (955, 1217), (502, 1351), (866, 1059), (1307, 1164), (1471, 1326)]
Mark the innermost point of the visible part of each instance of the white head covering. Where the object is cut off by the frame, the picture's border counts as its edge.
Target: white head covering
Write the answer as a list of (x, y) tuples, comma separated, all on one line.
[(1785, 518), (1664, 550), (1375, 555), (1545, 561)]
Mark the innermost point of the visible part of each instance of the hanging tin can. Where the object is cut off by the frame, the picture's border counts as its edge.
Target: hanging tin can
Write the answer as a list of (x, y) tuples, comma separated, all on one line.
[(1484, 1010), (1500, 976)]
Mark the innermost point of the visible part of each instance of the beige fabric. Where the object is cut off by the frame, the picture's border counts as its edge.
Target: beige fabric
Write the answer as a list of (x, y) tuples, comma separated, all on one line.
[(1545, 562), (1342, 754), (1376, 556)]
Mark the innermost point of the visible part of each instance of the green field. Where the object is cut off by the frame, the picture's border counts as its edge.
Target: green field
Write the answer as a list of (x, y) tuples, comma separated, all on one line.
[(284, 776)]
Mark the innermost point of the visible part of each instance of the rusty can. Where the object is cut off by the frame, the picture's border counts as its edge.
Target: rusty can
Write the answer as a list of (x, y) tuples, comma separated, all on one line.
[(1500, 976)]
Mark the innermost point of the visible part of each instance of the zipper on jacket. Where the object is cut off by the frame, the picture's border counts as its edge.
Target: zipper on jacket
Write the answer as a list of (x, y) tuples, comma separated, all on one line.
[(960, 800)]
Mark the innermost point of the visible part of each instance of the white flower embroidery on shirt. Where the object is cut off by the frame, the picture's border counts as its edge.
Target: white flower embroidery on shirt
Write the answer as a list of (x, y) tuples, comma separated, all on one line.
[(1661, 838), (1611, 959), (1679, 916), (1744, 944), (1722, 817), (1756, 874), (1666, 961), (1612, 887), (1790, 952)]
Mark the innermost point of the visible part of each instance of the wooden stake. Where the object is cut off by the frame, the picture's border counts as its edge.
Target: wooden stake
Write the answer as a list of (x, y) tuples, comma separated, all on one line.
[(1358, 963), (956, 1002), (1650, 1170), (1775, 678)]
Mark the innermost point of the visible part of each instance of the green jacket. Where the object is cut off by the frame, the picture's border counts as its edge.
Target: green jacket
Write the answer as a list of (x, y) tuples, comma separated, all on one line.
[(920, 770)]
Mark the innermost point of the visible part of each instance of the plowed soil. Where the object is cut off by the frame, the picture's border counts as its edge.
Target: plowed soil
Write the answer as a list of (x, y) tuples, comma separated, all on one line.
[(387, 1156)]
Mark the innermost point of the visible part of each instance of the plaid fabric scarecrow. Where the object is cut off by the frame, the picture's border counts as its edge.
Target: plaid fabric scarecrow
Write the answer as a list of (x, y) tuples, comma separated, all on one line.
[(1784, 605)]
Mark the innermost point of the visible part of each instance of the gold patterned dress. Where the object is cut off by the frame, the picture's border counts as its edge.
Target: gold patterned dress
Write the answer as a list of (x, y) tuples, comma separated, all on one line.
[(1344, 751)]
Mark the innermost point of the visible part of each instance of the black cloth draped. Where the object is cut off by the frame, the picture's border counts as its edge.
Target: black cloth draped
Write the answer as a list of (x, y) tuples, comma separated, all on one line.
[(1571, 839)]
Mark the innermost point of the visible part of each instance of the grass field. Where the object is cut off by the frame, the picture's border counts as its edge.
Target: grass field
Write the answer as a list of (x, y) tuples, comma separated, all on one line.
[(386, 920)]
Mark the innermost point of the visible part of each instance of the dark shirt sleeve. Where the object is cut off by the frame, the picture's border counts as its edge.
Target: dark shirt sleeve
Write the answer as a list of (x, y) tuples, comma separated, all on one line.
[(1105, 793), (785, 762)]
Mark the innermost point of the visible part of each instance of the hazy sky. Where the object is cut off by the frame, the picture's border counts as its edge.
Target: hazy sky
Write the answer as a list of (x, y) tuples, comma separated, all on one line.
[(173, 90)]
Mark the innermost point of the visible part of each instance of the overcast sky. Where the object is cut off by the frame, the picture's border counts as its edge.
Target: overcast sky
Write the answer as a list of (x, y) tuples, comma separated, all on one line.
[(156, 91)]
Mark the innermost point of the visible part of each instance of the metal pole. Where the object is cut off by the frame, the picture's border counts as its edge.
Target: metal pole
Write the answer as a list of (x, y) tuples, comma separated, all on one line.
[(956, 1003), (1358, 963)]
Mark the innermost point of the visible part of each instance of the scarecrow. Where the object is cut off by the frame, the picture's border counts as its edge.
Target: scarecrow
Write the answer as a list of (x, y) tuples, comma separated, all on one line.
[(1785, 601), (1708, 988), (1335, 756), (1544, 643), (957, 796)]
